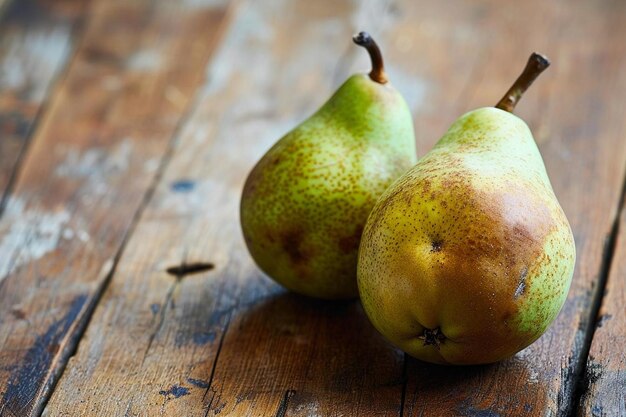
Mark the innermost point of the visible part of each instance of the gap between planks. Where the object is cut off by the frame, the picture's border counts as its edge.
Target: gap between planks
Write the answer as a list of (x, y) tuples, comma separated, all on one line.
[(217, 356), (581, 371)]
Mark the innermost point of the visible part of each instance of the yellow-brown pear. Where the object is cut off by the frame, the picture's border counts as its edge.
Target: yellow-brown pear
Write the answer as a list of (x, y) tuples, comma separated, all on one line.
[(468, 257)]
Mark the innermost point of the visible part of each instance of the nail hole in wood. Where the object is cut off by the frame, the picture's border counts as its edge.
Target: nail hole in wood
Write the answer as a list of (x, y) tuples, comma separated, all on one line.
[(180, 271)]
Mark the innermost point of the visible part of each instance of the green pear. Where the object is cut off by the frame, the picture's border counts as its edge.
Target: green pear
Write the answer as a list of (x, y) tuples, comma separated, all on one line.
[(306, 201), (468, 257)]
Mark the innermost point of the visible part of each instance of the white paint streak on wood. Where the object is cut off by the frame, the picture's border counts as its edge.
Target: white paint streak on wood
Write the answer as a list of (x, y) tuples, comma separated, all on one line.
[(26, 54), (96, 167), (201, 4), (28, 234), (96, 163), (145, 60), (68, 234), (151, 165)]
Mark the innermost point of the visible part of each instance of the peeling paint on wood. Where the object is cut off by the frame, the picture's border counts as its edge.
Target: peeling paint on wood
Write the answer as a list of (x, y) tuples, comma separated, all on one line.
[(27, 235)]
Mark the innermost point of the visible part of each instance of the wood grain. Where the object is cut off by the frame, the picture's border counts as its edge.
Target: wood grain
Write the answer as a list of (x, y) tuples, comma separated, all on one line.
[(605, 377), (225, 340), (229, 341), (36, 42), (94, 156), (574, 111)]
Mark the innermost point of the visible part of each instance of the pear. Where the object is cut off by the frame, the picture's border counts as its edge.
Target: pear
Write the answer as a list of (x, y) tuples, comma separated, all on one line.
[(306, 201), (468, 257)]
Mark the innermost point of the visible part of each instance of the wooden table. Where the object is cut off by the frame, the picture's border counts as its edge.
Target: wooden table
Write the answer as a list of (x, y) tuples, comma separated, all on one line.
[(127, 130)]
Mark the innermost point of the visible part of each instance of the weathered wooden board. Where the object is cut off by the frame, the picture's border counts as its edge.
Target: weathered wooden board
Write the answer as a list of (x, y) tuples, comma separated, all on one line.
[(36, 41), (605, 377), (228, 341), (576, 113), (94, 156)]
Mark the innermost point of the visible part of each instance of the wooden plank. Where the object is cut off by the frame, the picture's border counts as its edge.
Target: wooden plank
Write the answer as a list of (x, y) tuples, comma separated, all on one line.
[(576, 113), (36, 41), (93, 158), (229, 341), (605, 377)]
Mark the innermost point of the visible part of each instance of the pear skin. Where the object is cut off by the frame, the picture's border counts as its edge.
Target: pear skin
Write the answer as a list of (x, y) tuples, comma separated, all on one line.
[(468, 257), (306, 201)]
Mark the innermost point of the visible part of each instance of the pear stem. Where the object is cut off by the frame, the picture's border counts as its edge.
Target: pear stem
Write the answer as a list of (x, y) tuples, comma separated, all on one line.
[(535, 66), (378, 69)]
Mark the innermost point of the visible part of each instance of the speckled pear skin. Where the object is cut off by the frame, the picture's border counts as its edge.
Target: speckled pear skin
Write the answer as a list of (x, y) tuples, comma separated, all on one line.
[(471, 241), (306, 201)]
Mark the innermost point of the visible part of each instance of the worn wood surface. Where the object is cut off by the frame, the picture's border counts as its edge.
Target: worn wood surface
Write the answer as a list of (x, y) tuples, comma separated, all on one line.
[(605, 377), (36, 41), (226, 340), (94, 156)]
